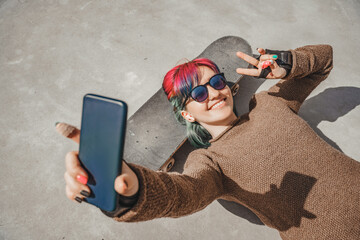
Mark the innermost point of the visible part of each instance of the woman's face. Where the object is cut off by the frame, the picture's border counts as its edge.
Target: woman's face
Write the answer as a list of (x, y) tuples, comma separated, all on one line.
[(217, 109)]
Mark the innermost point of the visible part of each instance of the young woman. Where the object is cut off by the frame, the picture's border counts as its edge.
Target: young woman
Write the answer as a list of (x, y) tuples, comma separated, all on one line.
[(269, 160)]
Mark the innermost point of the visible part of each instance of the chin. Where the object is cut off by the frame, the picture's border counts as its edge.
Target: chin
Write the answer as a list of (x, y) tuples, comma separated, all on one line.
[(220, 116)]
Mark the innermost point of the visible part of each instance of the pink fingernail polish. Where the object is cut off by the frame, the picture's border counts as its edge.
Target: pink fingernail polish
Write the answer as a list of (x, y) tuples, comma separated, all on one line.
[(266, 64), (81, 179)]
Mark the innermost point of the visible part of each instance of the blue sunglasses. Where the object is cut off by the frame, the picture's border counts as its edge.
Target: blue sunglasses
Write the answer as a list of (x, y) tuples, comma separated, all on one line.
[(200, 93)]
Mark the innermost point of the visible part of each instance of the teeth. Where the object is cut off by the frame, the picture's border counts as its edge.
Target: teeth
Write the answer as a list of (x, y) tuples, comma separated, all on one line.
[(216, 105)]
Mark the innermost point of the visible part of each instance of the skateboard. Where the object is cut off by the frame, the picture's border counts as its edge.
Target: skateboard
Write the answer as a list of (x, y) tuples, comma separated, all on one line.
[(153, 135)]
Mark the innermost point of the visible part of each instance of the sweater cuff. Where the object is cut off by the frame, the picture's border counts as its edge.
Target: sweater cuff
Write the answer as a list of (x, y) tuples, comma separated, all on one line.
[(128, 201), (291, 72), (125, 203), (153, 201)]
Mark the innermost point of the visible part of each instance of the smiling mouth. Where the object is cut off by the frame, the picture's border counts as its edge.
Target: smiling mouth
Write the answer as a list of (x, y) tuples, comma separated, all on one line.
[(218, 105)]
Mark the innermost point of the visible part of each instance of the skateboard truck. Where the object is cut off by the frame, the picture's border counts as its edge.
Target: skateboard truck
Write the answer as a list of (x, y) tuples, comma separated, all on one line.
[(168, 165), (235, 89)]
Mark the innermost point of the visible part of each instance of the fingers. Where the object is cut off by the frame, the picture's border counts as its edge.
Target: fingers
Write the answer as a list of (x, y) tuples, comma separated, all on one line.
[(68, 131), (266, 64), (264, 61), (248, 71), (261, 51), (278, 72), (267, 57), (247, 58), (75, 190), (275, 65), (75, 178), (73, 166), (72, 196)]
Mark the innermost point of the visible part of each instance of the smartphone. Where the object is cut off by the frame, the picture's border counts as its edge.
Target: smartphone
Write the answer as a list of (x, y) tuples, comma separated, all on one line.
[(102, 137)]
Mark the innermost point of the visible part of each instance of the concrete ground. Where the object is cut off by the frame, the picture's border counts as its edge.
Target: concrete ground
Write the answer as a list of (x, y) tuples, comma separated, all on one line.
[(52, 52)]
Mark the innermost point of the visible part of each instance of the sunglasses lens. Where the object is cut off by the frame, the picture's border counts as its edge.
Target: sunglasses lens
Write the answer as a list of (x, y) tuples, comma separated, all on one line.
[(218, 82), (199, 94)]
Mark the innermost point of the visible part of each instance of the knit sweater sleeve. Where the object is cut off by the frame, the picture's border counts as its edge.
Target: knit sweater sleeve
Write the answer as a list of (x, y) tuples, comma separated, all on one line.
[(172, 194), (311, 65)]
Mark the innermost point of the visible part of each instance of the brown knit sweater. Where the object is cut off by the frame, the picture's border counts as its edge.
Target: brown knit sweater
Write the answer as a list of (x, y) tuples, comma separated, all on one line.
[(269, 160)]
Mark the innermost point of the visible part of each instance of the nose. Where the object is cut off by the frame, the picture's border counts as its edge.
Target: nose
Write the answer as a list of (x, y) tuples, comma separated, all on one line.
[(213, 93)]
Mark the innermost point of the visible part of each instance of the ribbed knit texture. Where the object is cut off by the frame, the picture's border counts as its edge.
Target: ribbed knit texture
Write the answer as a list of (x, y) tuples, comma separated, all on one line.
[(269, 160)]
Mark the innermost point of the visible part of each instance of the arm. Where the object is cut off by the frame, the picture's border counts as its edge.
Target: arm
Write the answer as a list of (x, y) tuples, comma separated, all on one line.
[(150, 194), (172, 194), (311, 65)]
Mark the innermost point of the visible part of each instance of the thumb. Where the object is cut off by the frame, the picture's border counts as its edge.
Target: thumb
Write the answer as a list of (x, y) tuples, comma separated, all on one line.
[(68, 131), (125, 185), (261, 51)]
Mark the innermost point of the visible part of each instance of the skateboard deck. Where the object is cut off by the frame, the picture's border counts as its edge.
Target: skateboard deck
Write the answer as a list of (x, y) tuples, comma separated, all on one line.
[(153, 134)]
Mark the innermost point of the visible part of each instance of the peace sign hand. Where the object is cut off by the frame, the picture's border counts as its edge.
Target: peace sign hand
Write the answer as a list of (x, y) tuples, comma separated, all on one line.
[(266, 60)]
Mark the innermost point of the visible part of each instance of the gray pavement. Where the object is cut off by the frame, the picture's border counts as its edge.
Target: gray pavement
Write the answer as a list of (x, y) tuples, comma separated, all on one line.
[(52, 52)]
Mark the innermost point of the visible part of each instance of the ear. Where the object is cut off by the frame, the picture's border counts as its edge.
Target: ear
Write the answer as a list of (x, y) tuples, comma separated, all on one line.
[(187, 116)]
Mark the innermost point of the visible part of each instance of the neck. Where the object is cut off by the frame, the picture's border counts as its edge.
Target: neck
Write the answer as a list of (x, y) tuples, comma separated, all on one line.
[(216, 129)]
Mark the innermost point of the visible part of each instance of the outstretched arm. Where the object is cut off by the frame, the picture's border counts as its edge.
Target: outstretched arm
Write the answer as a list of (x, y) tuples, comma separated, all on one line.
[(150, 194), (172, 194)]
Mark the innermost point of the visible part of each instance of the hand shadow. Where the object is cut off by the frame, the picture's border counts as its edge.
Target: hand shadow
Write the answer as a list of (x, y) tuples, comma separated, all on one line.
[(285, 204), (329, 105), (293, 189), (233, 207)]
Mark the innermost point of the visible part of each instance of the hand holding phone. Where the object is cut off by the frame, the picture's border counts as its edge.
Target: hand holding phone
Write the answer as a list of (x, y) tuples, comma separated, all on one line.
[(126, 184), (76, 177)]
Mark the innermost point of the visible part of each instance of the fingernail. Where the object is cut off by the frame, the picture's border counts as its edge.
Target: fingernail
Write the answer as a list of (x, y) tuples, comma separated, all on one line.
[(56, 123), (85, 193), (81, 179), (275, 56), (265, 64), (78, 199), (272, 61)]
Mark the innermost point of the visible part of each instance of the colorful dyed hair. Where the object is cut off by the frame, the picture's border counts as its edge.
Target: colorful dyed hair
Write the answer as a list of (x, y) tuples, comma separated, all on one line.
[(177, 84), (181, 79)]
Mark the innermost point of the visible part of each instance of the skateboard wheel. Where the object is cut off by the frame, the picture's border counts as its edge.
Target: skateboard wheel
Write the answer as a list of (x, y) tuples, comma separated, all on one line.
[(235, 89), (168, 165)]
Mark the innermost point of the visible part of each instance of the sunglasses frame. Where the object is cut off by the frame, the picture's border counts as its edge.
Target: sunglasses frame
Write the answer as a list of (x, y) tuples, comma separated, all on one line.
[(204, 85)]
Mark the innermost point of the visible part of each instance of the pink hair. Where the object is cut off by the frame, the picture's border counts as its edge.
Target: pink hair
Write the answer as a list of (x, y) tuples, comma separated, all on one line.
[(181, 79)]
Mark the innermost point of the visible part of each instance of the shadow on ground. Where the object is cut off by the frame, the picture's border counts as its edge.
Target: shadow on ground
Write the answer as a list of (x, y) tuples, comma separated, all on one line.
[(328, 105)]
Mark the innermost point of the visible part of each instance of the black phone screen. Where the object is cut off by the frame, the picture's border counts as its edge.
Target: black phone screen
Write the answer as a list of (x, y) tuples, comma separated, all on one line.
[(103, 127)]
